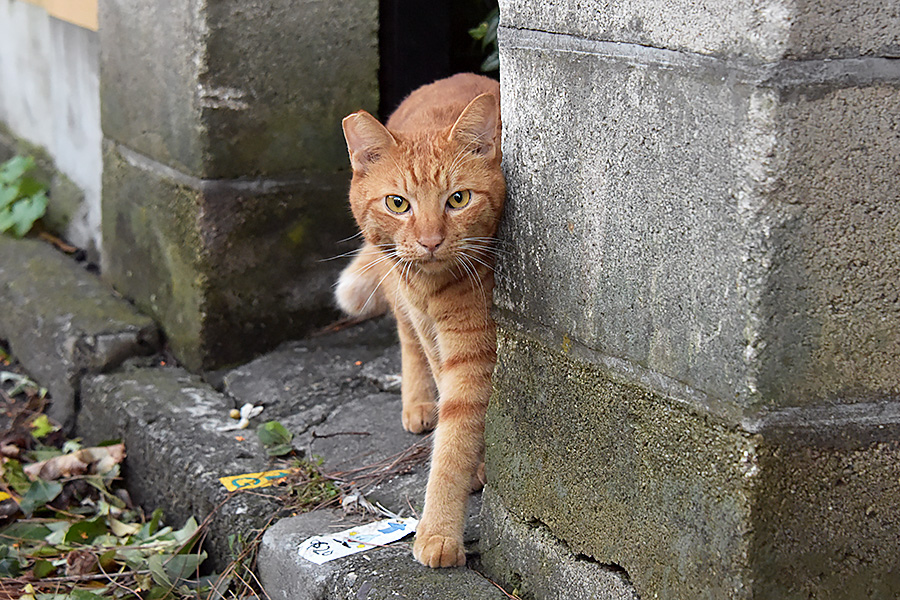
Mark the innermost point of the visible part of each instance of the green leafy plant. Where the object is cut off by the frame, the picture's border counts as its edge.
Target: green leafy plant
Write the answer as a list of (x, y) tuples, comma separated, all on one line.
[(275, 438), (486, 33), (23, 199)]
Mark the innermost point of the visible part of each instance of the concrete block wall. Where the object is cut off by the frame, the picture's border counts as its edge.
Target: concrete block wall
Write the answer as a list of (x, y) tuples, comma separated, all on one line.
[(225, 169), (50, 99), (698, 311)]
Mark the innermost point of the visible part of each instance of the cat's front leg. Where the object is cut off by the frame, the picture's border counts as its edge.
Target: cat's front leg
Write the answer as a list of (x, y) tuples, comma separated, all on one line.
[(465, 387), (417, 387)]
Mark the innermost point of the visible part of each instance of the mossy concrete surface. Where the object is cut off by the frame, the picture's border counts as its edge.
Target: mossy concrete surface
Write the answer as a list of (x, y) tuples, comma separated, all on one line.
[(227, 89), (61, 321), (690, 505), (510, 547), (225, 168), (228, 268)]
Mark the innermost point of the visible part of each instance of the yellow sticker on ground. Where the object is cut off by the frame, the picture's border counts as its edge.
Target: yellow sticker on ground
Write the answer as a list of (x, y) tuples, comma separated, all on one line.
[(4, 496), (254, 480)]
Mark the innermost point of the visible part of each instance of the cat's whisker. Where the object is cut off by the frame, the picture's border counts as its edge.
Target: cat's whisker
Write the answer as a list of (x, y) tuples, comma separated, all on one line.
[(352, 237), (464, 157), (344, 255), (404, 277), (476, 238), (473, 275), (479, 261), (466, 154), (354, 252), (479, 243), (486, 252), (492, 241), (385, 257), (377, 285)]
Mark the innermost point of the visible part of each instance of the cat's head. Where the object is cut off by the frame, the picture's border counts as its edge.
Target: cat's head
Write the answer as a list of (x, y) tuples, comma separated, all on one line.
[(428, 195)]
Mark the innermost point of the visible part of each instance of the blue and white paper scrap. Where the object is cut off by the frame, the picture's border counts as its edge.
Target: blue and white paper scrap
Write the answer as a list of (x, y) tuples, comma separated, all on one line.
[(323, 548)]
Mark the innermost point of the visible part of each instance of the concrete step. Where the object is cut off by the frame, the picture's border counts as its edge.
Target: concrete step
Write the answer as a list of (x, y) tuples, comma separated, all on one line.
[(61, 321), (338, 394), (378, 574)]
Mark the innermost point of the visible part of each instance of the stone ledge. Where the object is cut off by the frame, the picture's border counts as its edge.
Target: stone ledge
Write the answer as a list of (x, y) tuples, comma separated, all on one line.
[(62, 322), (169, 421), (378, 574)]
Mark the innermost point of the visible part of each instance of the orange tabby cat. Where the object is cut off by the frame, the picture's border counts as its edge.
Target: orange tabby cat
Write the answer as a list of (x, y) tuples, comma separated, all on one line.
[(427, 192)]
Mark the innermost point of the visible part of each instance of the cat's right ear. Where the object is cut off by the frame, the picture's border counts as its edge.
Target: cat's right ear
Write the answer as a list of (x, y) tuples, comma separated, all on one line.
[(367, 140)]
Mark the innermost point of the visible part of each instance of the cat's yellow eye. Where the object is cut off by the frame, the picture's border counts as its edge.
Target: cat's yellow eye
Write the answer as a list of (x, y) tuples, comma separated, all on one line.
[(459, 199), (396, 204)]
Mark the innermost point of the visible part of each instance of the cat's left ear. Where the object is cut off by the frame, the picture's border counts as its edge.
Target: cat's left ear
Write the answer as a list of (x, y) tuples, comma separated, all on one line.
[(477, 127)]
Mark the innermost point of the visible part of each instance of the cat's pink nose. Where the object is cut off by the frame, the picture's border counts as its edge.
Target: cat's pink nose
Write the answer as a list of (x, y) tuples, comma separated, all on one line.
[(431, 242)]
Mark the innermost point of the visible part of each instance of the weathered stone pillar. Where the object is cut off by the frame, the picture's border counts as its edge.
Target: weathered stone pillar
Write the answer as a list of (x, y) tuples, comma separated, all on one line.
[(225, 170), (699, 305)]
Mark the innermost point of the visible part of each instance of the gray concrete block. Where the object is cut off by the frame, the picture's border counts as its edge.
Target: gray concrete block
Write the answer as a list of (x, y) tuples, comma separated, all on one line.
[(381, 573), (510, 548), (830, 314), (62, 322), (794, 505), (680, 215), (828, 486), (228, 268), (169, 421), (750, 29), (231, 89)]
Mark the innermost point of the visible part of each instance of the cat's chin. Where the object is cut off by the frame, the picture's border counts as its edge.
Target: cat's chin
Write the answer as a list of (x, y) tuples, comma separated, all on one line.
[(432, 266)]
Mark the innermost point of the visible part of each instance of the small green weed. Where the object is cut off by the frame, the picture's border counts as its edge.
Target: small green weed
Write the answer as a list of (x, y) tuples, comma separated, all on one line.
[(23, 199)]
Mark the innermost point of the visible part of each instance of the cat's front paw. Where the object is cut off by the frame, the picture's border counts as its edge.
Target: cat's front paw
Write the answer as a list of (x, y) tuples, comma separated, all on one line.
[(418, 418), (435, 551)]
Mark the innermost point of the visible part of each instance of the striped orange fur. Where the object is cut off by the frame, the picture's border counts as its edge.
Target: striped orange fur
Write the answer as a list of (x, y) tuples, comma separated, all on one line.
[(427, 193)]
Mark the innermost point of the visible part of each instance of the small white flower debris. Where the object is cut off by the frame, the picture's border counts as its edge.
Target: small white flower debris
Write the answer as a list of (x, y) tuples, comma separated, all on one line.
[(247, 412)]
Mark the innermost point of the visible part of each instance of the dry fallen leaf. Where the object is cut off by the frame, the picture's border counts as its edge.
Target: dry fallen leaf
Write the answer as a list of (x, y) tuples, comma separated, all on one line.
[(80, 562), (87, 460), (10, 450), (65, 465)]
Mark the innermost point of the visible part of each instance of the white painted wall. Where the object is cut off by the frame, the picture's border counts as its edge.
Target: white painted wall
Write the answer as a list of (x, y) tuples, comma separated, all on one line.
[(50, 96)]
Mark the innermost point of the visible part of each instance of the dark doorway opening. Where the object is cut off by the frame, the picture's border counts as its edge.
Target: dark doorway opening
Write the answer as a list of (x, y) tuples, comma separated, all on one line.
[(424, 40)]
